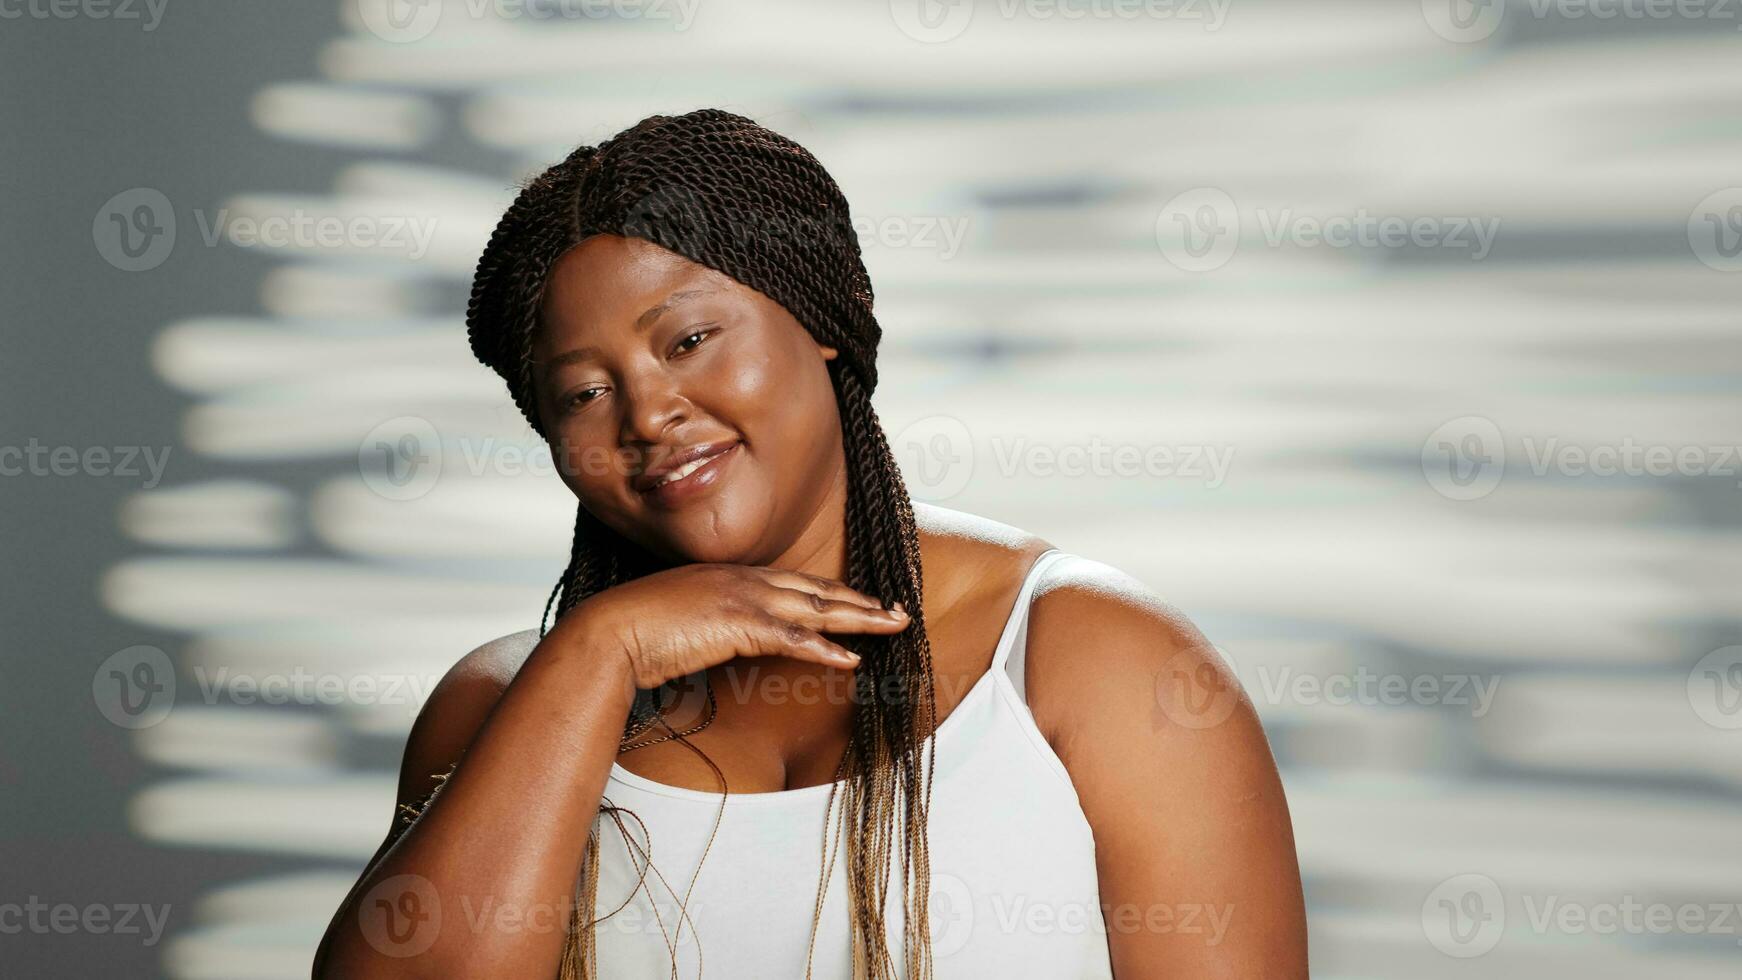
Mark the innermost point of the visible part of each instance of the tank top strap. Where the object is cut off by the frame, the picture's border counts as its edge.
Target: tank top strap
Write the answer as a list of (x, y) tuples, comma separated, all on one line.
[(1006, 656)]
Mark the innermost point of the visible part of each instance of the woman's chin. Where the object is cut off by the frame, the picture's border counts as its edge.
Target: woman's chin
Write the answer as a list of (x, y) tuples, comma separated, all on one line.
[(709, 541)]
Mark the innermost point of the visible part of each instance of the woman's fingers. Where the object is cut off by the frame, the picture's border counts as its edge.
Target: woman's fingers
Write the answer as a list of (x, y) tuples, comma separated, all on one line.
[(827, 615), (774, 636), (828, 588)]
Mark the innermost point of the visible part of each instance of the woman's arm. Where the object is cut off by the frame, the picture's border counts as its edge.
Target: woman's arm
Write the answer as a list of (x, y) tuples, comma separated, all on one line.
[(1193, 843), (482, 882)]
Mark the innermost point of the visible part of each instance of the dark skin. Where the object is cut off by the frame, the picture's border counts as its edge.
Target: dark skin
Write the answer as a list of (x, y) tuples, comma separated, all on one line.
[(1186, 808)]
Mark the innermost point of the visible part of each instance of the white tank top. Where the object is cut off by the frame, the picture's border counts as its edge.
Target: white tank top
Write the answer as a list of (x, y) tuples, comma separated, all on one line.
[(1013, 886)]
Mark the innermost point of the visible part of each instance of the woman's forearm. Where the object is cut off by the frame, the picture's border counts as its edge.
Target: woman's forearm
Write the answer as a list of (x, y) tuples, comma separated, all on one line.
[(482, 883)]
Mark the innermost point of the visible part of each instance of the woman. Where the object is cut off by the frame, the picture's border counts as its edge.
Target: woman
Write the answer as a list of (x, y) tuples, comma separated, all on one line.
[(770, 674)]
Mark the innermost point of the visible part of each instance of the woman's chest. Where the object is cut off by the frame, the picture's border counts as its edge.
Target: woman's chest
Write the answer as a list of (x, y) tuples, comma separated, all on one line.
[(1012, 885)]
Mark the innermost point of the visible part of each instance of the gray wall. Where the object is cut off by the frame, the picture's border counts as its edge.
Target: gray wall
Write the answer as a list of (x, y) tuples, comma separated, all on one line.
[(1368, 482)]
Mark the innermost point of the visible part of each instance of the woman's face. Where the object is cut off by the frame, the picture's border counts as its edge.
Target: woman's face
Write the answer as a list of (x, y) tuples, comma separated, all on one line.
[(644, 357)]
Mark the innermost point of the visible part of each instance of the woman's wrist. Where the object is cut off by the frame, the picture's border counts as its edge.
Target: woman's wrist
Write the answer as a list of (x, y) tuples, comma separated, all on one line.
[(578, 645)]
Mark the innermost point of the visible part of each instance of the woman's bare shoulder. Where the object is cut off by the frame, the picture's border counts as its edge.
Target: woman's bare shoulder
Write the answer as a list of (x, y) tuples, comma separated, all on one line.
[(456, 708), (973, 554)]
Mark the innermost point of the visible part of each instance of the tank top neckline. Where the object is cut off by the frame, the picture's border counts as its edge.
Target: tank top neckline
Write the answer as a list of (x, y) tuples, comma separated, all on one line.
[(1000, 653)]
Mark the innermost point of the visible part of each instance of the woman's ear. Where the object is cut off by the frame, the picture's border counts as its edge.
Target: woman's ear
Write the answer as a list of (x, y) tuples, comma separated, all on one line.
[(829, 353)]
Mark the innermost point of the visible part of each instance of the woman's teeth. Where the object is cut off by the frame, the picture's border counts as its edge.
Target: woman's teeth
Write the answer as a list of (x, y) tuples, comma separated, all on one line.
[(685, 470)]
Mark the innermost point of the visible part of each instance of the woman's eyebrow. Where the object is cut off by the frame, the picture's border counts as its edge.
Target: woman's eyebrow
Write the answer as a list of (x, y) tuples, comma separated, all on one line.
[(641, 323), (659, 309)]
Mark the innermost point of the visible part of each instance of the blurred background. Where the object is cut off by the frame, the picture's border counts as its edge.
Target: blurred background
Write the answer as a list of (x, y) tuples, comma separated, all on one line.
[(1397, 343)]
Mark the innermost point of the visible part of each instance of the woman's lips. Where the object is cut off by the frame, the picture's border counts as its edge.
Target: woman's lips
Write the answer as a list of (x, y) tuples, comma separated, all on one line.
[(698, 481)]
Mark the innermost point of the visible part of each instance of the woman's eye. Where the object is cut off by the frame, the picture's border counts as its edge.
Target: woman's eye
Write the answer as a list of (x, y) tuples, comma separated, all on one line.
[(692, 340), (579, 398)]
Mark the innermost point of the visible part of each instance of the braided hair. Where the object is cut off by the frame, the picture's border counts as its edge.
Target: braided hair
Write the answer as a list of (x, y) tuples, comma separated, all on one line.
[(727, 193)]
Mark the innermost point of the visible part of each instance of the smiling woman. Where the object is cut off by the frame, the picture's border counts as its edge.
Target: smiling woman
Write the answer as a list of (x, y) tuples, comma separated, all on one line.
[(766, 660)]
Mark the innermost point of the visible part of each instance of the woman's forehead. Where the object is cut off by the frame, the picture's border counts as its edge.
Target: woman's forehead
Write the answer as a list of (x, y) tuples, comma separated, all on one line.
[(606, 272)]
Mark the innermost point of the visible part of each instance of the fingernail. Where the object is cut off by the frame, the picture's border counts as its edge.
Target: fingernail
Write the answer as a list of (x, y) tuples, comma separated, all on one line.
[(900, 608), (850, 659)]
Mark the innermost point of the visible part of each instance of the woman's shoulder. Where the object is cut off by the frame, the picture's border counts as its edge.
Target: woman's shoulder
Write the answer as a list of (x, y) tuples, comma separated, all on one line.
[(1109, 661), (462, 699), (973, 566)]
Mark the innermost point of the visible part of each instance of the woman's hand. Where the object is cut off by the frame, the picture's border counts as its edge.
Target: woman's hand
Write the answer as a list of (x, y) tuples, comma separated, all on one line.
[(681, 620)]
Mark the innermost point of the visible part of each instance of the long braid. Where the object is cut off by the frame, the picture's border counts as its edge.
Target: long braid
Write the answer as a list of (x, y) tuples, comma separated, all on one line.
[(723, 191)]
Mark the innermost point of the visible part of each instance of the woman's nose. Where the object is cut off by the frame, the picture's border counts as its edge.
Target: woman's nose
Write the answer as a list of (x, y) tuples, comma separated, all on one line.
[(652, 405)]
